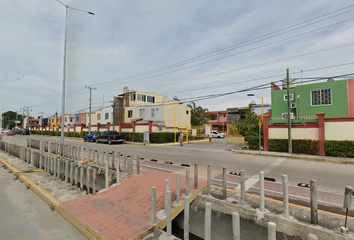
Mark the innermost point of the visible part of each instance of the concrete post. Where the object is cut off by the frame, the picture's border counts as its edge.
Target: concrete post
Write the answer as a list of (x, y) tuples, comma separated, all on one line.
[(94, 175), (271, 231), (209, 179), (236, 226), (169, 214), (82, 155), (261, 191), (32, 157), (55, 160), (128, 170), (313, 202), (178, 188), (153, 206), (131, 165), (98, 156), (106, 176), (224, 183), (93, 156), (196, 175), (186, 218), (89, 154), (311, 236), (71, 172), (76, 174), (137, 165), (81, 177), (243, 187), (285, 196), (118, 170), (187, 181), (41, 161), (113, 160), (49, 147), (125, 162), (118, 160), (102, 156), (88, 179), (167, 188), (107, 157), (207, 221), (66, 170), (59, 167)]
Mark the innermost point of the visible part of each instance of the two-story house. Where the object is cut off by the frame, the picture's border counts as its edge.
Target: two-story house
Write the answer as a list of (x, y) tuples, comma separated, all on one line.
[(218, 121), (319, 111)]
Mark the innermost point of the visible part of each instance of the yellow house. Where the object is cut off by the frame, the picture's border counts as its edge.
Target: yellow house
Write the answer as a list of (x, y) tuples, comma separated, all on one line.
[(159, 112)]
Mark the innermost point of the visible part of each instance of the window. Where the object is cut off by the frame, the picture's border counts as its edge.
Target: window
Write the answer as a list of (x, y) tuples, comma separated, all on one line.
[(66, 119), (321, 97), (286, 97), (141, 98), (213, 117), (150, 99), (77, 118), (98, 116), (130, 113), (132, 97), (152, 112), (106, 115), (71, 119), (142, 112), (187, 112), (157, 109)]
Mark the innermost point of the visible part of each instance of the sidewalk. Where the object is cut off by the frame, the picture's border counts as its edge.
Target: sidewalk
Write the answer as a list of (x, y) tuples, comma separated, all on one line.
[(316, 158)]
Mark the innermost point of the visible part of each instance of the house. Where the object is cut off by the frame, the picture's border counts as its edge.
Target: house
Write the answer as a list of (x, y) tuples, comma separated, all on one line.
[(235, 114), (145, 111), (218, 121), (318, 111)]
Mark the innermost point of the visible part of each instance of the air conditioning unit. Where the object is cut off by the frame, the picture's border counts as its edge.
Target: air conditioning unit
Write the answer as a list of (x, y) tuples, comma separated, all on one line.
[(293, 105), (285, 116)]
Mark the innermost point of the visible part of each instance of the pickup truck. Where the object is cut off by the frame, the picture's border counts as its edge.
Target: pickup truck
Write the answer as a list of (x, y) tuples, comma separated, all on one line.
[(110, 137)]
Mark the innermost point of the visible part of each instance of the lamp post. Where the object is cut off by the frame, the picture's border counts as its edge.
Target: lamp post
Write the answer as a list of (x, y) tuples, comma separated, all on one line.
[(64, 72), (251, 95), (175, 116)]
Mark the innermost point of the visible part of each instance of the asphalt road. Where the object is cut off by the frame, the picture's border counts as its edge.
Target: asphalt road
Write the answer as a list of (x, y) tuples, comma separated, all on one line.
[(330, 176), (23, 215)]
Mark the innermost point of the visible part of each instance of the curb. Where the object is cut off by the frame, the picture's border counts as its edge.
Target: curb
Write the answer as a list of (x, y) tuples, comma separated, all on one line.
[(54, 204), (349, 162)]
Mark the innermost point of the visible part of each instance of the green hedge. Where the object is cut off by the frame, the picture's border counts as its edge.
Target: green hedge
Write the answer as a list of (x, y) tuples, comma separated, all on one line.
[(339, 148), (300, 146), (253, 142), (134, 137)]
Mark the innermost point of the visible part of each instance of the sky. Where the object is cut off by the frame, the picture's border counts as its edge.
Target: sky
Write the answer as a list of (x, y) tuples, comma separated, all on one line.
[(202, 50)]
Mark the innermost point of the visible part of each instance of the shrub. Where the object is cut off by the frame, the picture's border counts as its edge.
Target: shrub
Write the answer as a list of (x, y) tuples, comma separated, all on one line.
[(304, 146), (339, 148), (253, 142)]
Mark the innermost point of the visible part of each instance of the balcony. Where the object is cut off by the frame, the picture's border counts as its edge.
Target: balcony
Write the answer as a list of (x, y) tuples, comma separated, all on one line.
[(305, 119)]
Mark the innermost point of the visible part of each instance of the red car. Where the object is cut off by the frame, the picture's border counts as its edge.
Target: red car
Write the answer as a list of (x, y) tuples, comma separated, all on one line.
[(10, 133)]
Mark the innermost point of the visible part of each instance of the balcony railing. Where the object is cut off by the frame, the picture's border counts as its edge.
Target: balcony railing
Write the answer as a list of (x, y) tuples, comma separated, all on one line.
[(304, 119)]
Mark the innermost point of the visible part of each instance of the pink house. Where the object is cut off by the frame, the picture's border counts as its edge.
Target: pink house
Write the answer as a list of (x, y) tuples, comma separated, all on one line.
[(218, 120)]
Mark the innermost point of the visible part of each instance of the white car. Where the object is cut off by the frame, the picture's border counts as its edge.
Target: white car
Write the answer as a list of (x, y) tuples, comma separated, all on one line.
[(5, 131), (217, 134)]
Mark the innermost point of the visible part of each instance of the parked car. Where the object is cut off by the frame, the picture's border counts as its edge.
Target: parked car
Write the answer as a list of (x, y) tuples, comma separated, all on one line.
[(25, 131), (90, 137), (18, 131), (217, 134), (110, 137), (10, 133), (5, 131)]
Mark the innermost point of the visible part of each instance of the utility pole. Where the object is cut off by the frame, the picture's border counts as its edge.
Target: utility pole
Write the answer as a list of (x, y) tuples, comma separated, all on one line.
[(88, 87), (290, 147), (26, 111)]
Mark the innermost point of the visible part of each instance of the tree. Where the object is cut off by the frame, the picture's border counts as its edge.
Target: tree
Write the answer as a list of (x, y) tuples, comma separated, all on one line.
[(249, 125), (199, 115), (9, 118)]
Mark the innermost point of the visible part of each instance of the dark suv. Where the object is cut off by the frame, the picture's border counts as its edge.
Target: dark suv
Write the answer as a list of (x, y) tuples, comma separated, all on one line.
[(26, 131)]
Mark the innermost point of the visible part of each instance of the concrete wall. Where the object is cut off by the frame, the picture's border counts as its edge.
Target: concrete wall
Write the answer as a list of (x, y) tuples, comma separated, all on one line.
[(339, 131), (296, 133)]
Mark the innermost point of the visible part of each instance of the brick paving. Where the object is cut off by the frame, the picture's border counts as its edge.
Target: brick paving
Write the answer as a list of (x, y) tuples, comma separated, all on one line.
[(124, 211)]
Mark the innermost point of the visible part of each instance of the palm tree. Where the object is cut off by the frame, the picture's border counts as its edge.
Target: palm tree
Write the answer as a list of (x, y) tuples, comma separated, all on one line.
[(199, 115)]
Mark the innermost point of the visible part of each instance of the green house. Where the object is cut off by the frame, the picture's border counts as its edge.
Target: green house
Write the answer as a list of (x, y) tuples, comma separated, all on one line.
[(335, 98)]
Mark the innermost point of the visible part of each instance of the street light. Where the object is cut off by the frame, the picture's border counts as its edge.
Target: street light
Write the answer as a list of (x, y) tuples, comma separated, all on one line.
[(175, 116), (64, 73), (251, 95)]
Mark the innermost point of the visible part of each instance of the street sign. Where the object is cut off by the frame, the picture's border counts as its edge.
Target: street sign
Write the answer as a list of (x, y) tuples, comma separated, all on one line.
[(260, 123), (17, 121)]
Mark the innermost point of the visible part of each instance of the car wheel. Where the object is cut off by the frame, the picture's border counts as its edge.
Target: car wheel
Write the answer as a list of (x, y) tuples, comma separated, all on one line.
[(97, 141), (219, 136), (91, 140), (84, 140), (109, 141)]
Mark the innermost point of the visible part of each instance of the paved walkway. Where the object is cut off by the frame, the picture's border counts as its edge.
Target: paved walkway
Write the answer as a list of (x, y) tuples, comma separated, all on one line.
[(124, 211)]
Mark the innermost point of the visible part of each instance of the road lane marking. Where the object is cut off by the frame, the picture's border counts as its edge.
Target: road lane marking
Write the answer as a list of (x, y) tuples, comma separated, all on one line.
[(255, 178)]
